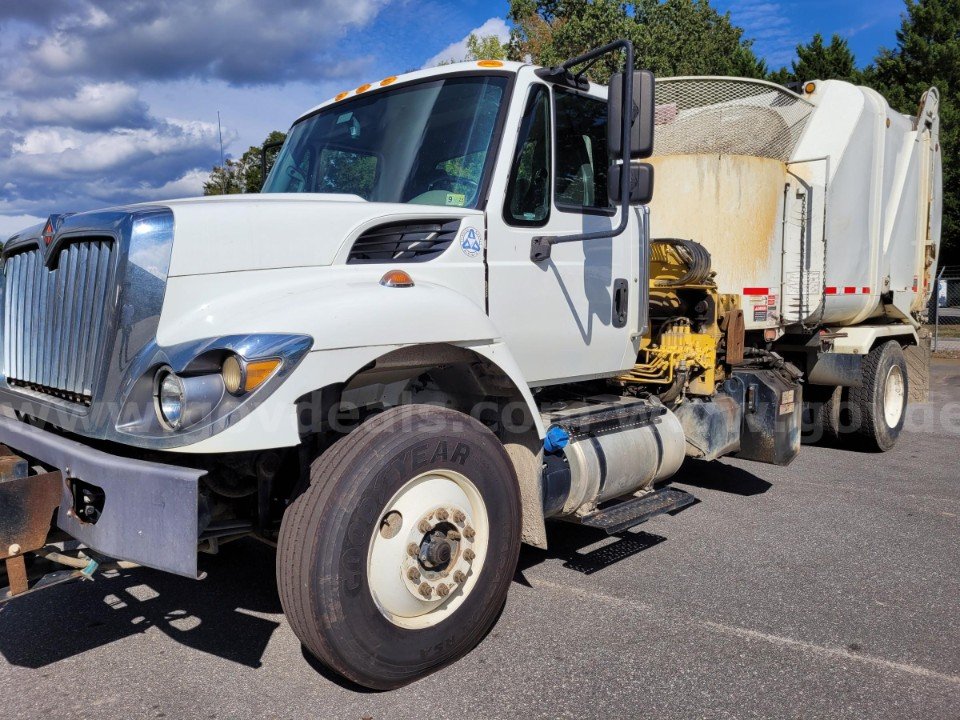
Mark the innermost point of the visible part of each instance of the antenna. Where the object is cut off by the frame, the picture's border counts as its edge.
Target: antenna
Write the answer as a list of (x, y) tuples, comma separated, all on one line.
[(222, 166)]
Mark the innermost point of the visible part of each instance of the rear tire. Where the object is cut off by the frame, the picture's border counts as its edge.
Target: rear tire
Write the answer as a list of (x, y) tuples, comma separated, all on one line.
[(355, 594), (821, 414), (878, 407)]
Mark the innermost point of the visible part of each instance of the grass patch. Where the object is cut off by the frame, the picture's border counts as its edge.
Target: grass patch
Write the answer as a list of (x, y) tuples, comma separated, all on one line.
[(945, 331)]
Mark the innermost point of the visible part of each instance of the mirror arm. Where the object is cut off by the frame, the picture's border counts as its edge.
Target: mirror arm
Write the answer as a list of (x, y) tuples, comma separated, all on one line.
[(540, 247), (263, 159)]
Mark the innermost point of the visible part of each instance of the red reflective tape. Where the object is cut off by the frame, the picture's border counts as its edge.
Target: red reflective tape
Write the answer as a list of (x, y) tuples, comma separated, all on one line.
[(756, 291), (865, 290), (849, 291), (830, 290)]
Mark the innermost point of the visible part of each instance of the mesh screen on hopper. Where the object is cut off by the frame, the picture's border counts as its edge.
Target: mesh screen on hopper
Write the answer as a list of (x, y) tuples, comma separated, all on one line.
[(727, 116)]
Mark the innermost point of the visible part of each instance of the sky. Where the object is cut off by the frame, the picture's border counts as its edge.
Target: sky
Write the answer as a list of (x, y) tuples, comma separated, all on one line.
[(107, 102)]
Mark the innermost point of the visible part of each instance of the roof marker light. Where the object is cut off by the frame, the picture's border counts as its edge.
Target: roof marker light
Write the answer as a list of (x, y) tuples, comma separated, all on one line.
[(363, 88), (489, 63), (341, 96), (388, 81)]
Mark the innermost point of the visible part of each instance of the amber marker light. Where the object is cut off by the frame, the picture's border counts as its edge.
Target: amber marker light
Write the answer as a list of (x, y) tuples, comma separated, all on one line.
[(341, 96), (258, 372), (241, 376), (363, 88), (388, 81), (396, 279), (809, 88), (489, 63)]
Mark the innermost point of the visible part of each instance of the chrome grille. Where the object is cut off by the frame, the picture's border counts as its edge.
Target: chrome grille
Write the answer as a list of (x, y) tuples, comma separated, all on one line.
[(55, 320)]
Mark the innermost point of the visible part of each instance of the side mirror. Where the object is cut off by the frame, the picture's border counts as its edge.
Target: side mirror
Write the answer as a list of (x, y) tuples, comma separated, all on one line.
[(641, 183), (640, 114), (265, 152)]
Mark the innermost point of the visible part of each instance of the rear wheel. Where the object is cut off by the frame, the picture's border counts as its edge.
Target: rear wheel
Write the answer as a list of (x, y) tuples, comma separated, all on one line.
[(878, 407), (398, 558), (821, 414)]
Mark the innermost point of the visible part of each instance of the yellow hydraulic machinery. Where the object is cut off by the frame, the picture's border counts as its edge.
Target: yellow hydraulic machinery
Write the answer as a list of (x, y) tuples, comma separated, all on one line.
[(686, 343)]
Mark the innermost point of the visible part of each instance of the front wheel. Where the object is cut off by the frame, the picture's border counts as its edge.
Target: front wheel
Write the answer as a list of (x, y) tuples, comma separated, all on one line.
[(397, 560), (878, 407)]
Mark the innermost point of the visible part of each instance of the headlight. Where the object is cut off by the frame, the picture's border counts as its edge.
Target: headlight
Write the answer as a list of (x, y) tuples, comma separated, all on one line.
[(170, 398), (201, 388), (185, 401)]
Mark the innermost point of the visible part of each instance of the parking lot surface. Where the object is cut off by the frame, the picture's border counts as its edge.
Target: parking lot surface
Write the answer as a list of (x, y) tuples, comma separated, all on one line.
[(826, 589)]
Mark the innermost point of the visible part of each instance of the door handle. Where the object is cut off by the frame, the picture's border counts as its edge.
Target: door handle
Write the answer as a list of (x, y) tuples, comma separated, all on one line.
[(621, 293)]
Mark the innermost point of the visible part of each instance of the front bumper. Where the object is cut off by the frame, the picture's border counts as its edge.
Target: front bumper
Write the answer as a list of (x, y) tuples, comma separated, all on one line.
[(150, 512)]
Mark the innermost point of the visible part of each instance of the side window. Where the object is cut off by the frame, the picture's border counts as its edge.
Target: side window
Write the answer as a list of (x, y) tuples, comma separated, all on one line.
[(528, 192), (581, 151)]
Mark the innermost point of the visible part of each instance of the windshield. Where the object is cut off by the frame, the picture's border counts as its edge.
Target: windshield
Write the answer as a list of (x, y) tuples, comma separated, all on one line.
[(427, 143)]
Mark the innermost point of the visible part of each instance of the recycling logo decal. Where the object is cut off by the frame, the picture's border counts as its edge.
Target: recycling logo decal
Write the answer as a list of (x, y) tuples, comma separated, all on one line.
[(470, 242)]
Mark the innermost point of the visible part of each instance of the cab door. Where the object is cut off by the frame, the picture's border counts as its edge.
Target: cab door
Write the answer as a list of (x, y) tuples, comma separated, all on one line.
[(573, 316)]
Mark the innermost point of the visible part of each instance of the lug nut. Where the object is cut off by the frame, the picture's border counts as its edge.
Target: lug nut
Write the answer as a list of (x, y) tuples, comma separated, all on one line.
[(469, 555), (424, 526), (469, 533), (460, 577), (413, 550), (459, 518), (425, 590), (413, 574), (443, 591), (442, 515)]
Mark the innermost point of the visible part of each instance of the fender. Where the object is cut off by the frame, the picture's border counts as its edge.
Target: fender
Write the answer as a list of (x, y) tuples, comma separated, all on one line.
[(340, 307), (353, 320)]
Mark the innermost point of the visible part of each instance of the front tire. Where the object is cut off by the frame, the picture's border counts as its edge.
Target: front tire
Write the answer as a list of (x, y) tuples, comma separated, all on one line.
[(878, 407), (398, 558)]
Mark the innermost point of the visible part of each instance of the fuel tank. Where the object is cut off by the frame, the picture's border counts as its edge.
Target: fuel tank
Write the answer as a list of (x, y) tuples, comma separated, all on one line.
[(614, 448)]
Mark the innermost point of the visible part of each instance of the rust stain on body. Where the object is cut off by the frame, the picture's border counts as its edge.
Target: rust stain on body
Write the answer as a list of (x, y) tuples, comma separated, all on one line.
[(732, 205)]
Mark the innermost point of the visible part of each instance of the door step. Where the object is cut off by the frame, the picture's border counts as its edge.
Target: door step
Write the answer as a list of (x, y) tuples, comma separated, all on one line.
[(629, 513)]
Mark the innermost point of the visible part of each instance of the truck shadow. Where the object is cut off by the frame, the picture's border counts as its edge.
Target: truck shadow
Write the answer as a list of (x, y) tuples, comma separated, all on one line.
[(721, 477), (234, 612), (219, 616)]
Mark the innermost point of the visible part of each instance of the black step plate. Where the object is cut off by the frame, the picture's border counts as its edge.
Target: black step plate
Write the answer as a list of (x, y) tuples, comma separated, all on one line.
[(628, 513)]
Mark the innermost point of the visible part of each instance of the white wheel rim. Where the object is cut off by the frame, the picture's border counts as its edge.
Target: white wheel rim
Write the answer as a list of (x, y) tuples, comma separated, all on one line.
[(443, 505), (893, 397)]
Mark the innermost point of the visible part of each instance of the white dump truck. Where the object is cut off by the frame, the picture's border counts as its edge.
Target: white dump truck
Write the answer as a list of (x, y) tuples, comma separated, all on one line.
[(457, 311)]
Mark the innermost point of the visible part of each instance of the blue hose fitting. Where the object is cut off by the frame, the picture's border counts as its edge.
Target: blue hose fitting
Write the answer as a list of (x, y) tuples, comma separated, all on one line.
[(556, 440)]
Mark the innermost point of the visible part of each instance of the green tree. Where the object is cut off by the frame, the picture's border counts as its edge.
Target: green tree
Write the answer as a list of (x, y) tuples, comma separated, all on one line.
[(480, 47), (485, 47), (928, 55), (671, 37), (819, 61), (242, 175)]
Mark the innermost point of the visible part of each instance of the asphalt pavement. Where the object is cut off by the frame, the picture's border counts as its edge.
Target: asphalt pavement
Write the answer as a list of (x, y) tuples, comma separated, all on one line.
[(826, 589)]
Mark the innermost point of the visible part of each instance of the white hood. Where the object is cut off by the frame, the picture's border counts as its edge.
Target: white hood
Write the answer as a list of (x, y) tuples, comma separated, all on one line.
[(233, 233)]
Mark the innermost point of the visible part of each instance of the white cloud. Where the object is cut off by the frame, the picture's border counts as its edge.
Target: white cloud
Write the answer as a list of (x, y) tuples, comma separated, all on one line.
[(458, 50), (92, 91), (189, 185), (10, 224), (93, 106), (245, 42), (61, 152)]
